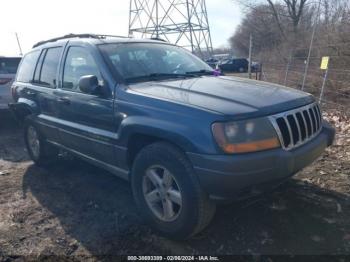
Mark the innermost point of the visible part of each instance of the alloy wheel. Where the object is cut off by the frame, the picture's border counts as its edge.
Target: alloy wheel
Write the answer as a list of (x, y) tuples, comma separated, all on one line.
[(162, 193)]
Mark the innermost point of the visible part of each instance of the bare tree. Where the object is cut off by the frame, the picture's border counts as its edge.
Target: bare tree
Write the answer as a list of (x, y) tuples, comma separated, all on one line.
[(276, 14), (291, 9), (260, 23), (283, 27), (295, 10)]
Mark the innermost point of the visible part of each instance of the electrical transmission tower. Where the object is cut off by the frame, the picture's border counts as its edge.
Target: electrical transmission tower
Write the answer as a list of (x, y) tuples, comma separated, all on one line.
[(181, 22)]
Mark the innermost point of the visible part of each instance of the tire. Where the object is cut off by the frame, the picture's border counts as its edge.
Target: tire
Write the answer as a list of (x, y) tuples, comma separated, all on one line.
[(241, 70), (196, 210), (42, 153)]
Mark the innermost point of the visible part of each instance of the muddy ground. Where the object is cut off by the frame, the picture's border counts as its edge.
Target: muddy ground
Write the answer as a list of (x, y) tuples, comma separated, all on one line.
[(76, 209)]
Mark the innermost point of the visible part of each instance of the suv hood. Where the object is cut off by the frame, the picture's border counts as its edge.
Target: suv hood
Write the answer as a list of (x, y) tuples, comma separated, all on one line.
[(230, 96)]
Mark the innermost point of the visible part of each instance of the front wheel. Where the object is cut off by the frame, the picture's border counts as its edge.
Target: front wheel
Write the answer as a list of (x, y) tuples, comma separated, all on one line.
[(168, 193)]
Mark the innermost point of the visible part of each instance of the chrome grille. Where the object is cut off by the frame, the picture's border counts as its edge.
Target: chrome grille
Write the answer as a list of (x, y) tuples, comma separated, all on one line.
[(296, 127)]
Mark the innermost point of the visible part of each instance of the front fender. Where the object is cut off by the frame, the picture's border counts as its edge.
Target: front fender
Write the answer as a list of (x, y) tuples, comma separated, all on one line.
[(175, 133)]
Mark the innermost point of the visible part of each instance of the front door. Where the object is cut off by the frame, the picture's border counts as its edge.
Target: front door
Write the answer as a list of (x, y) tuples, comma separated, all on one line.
[(86, 120)]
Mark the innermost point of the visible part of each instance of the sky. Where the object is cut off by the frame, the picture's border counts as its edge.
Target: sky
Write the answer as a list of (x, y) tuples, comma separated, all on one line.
[(36, 20)]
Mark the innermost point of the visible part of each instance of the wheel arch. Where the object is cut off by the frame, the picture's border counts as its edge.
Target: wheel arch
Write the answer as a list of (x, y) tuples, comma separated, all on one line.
[(23, 108), (138, 140)]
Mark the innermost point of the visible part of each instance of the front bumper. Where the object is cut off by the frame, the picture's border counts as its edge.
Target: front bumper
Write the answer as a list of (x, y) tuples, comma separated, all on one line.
[(238, 176)]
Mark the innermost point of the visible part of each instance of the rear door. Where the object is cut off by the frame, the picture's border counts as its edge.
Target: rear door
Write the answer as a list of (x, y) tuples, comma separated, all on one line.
[(86, 120), (235, 65), (244, 64), (42, 89)]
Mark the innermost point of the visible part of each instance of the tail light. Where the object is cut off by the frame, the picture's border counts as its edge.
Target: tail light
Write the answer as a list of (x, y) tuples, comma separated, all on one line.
[(14, 93), (4, 81)]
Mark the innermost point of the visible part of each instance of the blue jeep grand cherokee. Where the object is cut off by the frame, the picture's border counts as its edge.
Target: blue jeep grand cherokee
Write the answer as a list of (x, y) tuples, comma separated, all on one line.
[(154, 114)]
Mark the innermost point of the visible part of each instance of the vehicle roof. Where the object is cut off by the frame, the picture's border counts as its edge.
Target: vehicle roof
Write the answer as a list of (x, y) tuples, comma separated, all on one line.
[(94, 40), (1, 56)]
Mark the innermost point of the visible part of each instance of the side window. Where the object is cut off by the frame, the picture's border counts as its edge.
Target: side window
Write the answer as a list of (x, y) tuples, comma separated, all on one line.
[(49, 68), (38, 67), (79, 62), (26, 69)]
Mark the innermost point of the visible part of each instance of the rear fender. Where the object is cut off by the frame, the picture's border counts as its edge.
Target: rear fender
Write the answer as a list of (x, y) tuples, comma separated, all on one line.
[(23, 108)]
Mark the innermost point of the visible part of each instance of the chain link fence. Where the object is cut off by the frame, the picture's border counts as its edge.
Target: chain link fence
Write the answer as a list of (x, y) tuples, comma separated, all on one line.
[(331, 86)]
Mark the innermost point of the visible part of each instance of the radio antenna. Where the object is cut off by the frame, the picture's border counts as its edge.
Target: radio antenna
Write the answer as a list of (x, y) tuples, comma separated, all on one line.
[(19, 45)]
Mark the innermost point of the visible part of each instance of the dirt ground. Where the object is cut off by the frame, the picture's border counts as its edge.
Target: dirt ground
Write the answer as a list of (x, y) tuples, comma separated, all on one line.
[(76, 209)]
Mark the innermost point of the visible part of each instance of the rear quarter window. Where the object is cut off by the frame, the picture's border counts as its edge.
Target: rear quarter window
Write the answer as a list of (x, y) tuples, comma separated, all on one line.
[(26, 69)]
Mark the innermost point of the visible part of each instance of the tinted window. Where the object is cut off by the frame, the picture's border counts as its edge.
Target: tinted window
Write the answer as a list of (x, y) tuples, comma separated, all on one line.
[(26, 70), (242, 61), (49, 68), (38, 67), (79, 62), (226, 61), (9, 65)]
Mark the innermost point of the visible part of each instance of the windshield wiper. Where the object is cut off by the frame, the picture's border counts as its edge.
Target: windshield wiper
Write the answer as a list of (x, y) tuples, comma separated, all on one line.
[(158, 76), (201, 72)]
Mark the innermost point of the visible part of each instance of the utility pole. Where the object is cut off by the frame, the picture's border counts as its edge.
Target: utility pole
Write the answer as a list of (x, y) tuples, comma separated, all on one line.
[(129, 30), (157, 19), (190, 24), (288, 67), (250, 56), (311, 45), (19, 45), (323, 86)]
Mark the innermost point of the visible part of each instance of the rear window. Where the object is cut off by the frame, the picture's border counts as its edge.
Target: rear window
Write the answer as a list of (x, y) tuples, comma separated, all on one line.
[(26, 69), (9, 65)]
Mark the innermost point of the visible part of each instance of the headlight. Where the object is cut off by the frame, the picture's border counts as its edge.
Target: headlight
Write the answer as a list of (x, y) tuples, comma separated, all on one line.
[(245, 136)]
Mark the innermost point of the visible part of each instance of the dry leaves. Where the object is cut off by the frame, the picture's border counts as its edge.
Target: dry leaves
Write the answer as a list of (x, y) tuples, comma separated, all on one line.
[(341, 122), (332, 170)]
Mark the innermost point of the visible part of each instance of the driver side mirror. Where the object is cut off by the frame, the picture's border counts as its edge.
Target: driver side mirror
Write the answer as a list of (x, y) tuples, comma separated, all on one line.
[(89, 84)]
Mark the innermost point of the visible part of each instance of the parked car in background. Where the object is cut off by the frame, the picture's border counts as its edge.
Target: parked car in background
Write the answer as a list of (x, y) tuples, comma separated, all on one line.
[(212, 62), (236, 65), (156, 115), (8, 69)]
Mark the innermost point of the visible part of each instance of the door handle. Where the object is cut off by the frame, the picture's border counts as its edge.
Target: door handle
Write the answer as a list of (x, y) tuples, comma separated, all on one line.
[(63, 100)]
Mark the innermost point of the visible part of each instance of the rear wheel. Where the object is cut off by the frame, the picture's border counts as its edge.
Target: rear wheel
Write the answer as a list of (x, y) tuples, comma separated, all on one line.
[(168, 193), (39, 150)]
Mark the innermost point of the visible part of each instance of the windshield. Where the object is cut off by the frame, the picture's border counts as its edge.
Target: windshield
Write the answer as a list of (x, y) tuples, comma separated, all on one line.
[(142, 61)]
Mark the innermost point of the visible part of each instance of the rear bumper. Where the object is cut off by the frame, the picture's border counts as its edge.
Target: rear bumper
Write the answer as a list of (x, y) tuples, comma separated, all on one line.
[(232, 177)]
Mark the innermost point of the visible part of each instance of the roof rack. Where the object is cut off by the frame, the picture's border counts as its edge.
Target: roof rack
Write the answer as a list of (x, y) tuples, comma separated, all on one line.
[(95, 36)]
